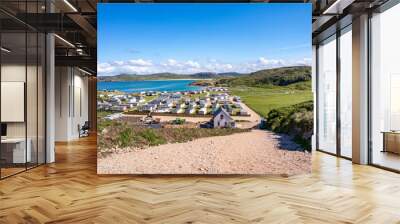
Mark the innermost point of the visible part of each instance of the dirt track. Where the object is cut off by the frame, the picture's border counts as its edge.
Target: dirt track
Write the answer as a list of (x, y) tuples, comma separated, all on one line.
[(255, 152)]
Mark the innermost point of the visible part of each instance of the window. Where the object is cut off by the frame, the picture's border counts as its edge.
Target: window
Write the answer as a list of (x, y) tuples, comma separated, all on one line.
[(327, 95), (346, 92), (22, 68), (385, 89), (221, 116)]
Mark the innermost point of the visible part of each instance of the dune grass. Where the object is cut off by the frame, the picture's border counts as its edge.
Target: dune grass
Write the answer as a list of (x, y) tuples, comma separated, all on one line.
[(121, 135)]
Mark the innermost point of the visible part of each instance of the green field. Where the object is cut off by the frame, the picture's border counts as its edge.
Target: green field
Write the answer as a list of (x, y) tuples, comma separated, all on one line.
[(149, 98), (102, 114), (264, 99)]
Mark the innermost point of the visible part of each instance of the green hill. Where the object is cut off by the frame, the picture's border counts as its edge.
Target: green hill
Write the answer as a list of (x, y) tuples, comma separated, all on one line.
[(277, 77)]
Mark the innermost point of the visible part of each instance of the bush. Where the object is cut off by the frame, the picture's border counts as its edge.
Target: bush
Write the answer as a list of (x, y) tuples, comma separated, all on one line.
[(151, 137), (295, 120), (125, 138), (122, 135), (178, 121)]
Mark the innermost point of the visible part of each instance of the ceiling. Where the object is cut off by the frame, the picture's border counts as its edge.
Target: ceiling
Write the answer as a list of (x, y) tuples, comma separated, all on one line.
[(75, 22)]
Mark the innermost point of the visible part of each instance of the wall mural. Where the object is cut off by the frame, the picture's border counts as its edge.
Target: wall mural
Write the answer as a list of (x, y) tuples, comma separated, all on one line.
[(204, 89)]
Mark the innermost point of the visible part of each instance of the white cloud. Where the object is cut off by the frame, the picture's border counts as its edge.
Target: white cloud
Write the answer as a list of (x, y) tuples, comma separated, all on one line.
[(104, 68), (140, 62), (304, 61), (118, 63), (143, 66), (271, 62), (193, 64)]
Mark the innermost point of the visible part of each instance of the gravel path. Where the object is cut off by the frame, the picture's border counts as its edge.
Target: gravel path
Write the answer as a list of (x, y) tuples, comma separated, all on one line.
[(255, 152)]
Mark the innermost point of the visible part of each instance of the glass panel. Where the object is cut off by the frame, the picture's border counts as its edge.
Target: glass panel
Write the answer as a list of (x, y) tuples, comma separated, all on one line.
[(385, 89), (32, 88), (31, 99), (327, 95), (41, 98), (23, 84), (346, 93), (13, 80)]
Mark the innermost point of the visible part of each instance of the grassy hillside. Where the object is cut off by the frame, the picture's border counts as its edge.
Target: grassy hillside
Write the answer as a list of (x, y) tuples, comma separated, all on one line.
[(283, 96), (116, 135), (263, 100), (276, 77), (295, 120)]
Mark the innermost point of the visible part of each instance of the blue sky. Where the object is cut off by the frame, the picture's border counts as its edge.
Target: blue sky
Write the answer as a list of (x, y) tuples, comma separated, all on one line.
[(188, 38)]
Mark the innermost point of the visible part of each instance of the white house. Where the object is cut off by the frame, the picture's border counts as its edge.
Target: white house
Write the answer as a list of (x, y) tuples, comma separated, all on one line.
[(127, 105), (203, 110), (115, 101), (244, 112), (179, 110), (148, 107), (222, 119), (119, 108), (204, 103), (136, 99), (191, 110), (163, 108)]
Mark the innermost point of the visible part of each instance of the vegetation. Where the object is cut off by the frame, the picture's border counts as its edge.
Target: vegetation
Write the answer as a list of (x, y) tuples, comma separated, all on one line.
[(178, 121), (102, 114), (295, 120), (120, 135), (197, 95), (263, 99), (270, 77), (203, 82), (283, 96), (150, 98)]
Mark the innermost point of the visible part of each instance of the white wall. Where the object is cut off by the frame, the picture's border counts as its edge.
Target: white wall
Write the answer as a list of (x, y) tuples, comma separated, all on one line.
[(224, 122), (71, 103), (14, 72), (62, 82), (33, 126)]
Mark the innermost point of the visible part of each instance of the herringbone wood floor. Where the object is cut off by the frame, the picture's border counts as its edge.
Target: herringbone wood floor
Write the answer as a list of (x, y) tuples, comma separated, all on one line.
[(69, 191)]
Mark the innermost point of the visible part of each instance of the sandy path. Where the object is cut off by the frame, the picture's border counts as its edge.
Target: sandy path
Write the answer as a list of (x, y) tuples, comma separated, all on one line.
[(254, 119), (255, 152)]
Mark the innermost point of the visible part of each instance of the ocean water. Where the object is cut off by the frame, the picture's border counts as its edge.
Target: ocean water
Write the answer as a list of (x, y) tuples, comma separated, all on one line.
[(153, 85)]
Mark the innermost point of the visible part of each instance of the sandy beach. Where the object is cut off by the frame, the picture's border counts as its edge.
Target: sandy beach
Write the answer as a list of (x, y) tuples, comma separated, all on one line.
[(254, 152)]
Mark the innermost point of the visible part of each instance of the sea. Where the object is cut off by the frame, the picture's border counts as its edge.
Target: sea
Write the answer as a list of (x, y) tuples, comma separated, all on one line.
[(148, 85)]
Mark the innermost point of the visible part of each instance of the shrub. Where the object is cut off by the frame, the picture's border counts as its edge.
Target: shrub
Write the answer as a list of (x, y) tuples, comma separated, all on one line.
[(295, 120), (151, 137), (126, 137), (122, 135)]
